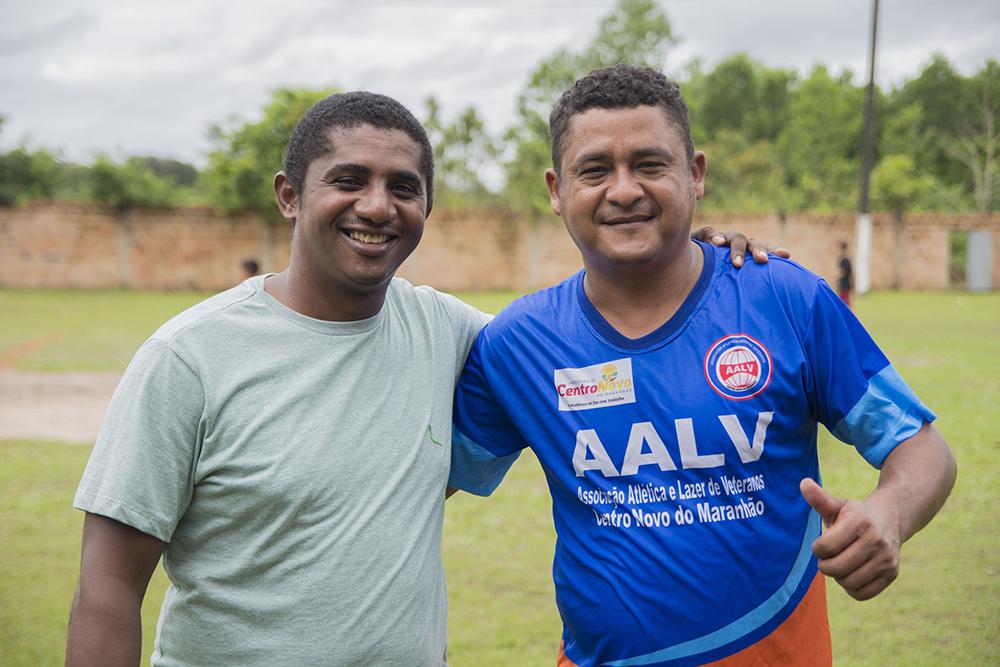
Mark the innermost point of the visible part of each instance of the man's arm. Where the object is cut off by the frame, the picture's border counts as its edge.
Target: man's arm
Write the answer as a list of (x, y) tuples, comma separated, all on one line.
[(116, 563), (860, 548)]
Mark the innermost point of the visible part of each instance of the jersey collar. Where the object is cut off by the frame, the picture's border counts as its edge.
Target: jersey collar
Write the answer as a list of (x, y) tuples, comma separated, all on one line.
[(668, 328)]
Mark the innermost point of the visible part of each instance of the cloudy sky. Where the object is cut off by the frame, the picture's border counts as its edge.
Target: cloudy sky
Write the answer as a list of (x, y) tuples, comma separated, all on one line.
[(135, 77)]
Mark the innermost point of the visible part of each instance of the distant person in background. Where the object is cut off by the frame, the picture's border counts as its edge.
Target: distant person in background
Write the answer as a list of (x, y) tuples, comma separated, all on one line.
[(845, 281), (250, 268)]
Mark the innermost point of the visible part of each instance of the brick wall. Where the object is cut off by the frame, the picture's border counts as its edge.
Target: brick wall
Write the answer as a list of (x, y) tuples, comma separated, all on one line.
[(92, 246)]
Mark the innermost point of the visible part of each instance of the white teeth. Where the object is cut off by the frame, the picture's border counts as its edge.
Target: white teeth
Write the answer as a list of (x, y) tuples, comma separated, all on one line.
[(368, 238)]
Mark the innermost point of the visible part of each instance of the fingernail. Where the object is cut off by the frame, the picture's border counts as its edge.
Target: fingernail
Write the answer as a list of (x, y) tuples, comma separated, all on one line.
[(738, 260), (717, 239)]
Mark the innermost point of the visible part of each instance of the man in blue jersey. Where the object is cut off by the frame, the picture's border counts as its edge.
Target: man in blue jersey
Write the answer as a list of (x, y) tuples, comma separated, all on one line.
[(673, 403)]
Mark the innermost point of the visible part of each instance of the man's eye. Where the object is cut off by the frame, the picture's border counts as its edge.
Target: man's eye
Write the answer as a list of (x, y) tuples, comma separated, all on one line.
[(651, 166), (347, 182), (405, 189), (593, 171)]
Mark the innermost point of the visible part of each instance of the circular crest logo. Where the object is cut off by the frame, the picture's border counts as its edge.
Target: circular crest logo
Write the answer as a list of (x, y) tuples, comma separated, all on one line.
[(609, 373), (738, 367)]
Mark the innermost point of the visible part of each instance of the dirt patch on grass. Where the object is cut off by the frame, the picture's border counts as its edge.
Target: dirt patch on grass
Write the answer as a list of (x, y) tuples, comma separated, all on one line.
[(66, 407)]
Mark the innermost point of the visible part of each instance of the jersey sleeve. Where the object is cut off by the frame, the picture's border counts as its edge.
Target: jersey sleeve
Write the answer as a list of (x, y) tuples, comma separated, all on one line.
[(485, 443), (141, 470), (853, 389)]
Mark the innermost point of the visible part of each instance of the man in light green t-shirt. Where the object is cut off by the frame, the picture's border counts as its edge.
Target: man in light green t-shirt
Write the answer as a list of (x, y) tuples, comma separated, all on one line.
[(285, 445)]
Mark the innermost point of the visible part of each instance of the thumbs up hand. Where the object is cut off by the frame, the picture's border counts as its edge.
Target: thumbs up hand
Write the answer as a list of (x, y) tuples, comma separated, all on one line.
[(860, 546)]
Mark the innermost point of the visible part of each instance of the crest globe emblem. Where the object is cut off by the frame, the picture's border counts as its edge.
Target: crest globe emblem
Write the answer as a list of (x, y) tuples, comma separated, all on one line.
[(738, 367)]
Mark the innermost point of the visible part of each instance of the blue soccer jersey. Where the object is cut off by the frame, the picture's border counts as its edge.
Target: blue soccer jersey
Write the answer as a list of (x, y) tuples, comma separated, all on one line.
[(674, 460)]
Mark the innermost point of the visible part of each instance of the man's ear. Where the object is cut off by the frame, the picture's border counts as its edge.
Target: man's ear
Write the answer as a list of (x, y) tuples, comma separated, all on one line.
[(285, 196), (699, 167), (552, 183)]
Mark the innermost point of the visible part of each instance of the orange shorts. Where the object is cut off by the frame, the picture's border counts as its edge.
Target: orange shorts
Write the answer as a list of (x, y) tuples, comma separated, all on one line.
[(802, 640)]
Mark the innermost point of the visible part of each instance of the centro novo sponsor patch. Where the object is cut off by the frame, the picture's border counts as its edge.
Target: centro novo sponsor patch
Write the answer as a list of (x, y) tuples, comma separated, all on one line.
[(598, 386), (738, 367)]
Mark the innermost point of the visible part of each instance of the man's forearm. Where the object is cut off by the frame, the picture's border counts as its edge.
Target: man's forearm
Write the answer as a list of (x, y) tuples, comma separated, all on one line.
[(105, 627), (916, 479)]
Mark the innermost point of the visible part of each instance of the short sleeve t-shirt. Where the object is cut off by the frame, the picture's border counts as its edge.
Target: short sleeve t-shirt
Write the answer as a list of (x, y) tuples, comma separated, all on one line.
[(674, 460), (296, 469)]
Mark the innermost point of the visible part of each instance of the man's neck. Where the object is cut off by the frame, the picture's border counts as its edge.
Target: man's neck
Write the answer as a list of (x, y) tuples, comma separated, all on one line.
[(302, 294), (637, 301)]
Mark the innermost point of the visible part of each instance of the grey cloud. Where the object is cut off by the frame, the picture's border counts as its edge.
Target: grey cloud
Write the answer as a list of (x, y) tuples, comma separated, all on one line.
[(222, 59)]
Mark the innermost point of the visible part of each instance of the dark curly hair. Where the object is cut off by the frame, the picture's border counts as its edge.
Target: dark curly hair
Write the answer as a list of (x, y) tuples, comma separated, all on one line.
[(310, 139), (618, 87)]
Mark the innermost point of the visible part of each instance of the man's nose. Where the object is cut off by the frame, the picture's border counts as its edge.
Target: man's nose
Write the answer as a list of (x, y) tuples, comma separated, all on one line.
[(375, 205), (623, 189)]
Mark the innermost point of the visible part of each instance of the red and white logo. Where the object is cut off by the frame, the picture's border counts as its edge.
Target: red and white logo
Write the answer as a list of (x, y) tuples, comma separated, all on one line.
[(738, 367)]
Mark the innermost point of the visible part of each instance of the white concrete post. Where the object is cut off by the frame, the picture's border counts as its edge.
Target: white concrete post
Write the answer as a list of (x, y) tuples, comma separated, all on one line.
[(863, 254)]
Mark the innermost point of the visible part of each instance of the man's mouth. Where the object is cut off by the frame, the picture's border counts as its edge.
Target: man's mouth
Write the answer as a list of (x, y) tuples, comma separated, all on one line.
[(365, 237), (626, 219)]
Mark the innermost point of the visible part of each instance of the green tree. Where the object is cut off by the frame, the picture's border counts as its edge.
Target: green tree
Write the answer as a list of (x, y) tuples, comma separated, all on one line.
[(975, 142), (180, 173), (463, 151), (740, 94), (820, 144), (744, 175), (950, 125), (898, 185), (241, 168), (27, 174), (931, 101), (129, 184), (636, 32)]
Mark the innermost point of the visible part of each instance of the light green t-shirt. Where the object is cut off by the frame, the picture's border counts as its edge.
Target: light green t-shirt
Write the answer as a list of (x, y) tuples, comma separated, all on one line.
[(296, 468)]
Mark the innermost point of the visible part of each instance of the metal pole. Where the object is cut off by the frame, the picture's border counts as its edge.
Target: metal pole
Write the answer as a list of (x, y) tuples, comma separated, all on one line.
[(864, 230)]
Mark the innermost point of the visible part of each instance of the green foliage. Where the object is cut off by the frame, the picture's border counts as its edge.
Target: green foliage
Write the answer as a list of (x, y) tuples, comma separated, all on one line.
[(241, 168), (744, 176), (742, 95), (131, 183), (179, 173), (461, 150), (821, 143), (898, 185), (950, 125), (26, 175), (636, 32)]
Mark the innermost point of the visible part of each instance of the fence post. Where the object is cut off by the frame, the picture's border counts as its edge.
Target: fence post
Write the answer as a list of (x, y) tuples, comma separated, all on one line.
[(123, 218)]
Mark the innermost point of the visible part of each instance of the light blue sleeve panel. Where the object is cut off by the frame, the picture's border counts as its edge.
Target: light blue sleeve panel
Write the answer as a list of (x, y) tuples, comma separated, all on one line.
[(475, 469), (887, 414), (853, 389), (484, 442)]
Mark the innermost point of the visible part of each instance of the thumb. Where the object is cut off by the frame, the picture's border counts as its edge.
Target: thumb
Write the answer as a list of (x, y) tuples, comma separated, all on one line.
[(827, 506)]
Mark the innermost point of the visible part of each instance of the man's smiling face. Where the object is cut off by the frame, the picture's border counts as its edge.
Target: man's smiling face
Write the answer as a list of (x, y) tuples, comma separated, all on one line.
[(626, 189), (361, 210)]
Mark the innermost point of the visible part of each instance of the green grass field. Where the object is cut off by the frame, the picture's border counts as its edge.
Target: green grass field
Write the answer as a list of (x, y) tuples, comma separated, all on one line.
[(944, 609)]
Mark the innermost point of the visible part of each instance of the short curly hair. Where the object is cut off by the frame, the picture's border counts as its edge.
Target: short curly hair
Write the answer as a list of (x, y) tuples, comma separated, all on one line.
[(618, 87), (311, 137)]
